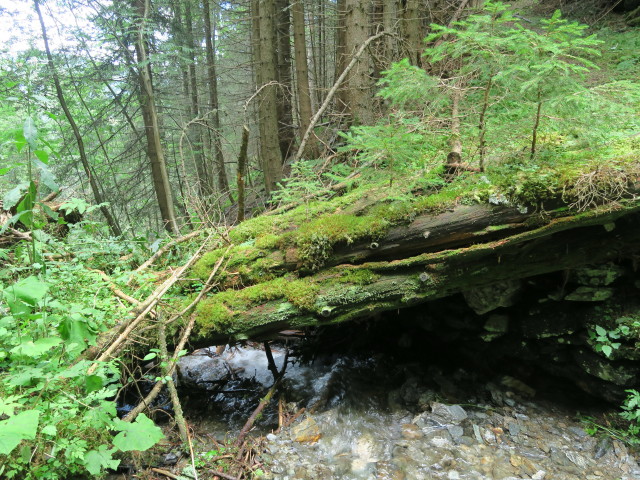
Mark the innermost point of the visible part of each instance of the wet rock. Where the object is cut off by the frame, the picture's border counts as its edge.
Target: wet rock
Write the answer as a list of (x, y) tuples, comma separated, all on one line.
[(590, 294), (599, 275), (411, 431), (450, 413), (203, 371), (622, 375), (307, 431), (489, 297), (171, 458)]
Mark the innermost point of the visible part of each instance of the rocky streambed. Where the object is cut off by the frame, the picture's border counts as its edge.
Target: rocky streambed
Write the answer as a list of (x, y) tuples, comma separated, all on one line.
[(381, 417)]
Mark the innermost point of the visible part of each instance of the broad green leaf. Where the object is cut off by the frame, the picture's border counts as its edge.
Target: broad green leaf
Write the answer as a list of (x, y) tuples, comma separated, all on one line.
[(24, 295), (30, 132), (42, 155), (601, 331), (74, 329), (50, 430), (99, 460), (9, 404), (607, 350), (139, 435), (20, 427), (13, 196), (38, 348), (149, 356), (46, 177), (93, 383)]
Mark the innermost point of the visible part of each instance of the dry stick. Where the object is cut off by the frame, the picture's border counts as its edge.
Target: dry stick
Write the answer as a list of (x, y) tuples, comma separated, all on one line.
[(263, 403), (116, 290), (162, 251), (165, 473), (226, 476), (171, 386), (333, 91), (252, 419), (193, 457), (183, 340), (148, 306)]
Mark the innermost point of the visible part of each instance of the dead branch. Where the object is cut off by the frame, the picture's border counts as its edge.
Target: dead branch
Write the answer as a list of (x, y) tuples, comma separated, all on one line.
[(162, 251), (116, 290), (332, 92), (183, 340), (128, 326)]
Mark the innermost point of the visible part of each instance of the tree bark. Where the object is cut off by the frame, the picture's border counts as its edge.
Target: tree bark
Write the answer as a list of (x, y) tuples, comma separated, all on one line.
[(155, 151), (214, 114), (302, 76), (286, 133), (93, 182), (265, 60), (412, 29), (196, 133), (359, 93)]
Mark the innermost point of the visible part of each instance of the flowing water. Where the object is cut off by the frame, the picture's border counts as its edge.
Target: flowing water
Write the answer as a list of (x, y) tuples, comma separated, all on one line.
[(383, 414)]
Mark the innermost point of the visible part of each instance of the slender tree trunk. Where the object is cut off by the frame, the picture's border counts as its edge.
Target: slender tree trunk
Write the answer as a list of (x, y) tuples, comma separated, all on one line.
[(150, 115), (412, 30), (111, 222), (341, 59), (196, 134), (482, 123), (265, 55), (302, 75), (534, 134), (286, 132), (454, 159), (214, 114), (242, 167)]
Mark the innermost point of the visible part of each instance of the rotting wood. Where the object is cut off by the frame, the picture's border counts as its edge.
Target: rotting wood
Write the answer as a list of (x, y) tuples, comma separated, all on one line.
[(404, 276)]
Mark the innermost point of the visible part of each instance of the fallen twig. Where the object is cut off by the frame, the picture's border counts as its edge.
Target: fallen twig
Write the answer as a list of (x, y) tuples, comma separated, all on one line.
[(165, 473), (128, 326), (183, 340), (162, 251)]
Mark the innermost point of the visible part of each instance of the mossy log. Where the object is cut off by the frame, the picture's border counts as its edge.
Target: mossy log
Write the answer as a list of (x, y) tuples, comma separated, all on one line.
[(433, 256)]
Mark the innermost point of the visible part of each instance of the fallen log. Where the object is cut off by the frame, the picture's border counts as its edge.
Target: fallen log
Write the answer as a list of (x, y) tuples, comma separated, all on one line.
[(460, 250)]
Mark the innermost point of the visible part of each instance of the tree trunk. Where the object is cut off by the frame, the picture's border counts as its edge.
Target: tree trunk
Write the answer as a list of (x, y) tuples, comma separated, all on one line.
[(412, 29), (341, 59), (196, 133), (154, 147), (214, 114), (302, 76), (359, 93), (93, 182), (265, 59), (286, 133)]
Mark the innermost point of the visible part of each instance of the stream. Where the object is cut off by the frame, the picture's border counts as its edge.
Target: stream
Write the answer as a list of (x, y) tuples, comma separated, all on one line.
[(403, 409)]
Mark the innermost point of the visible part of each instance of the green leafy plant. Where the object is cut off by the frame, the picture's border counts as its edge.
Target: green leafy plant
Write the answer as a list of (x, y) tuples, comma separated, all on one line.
[(605, 340)]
